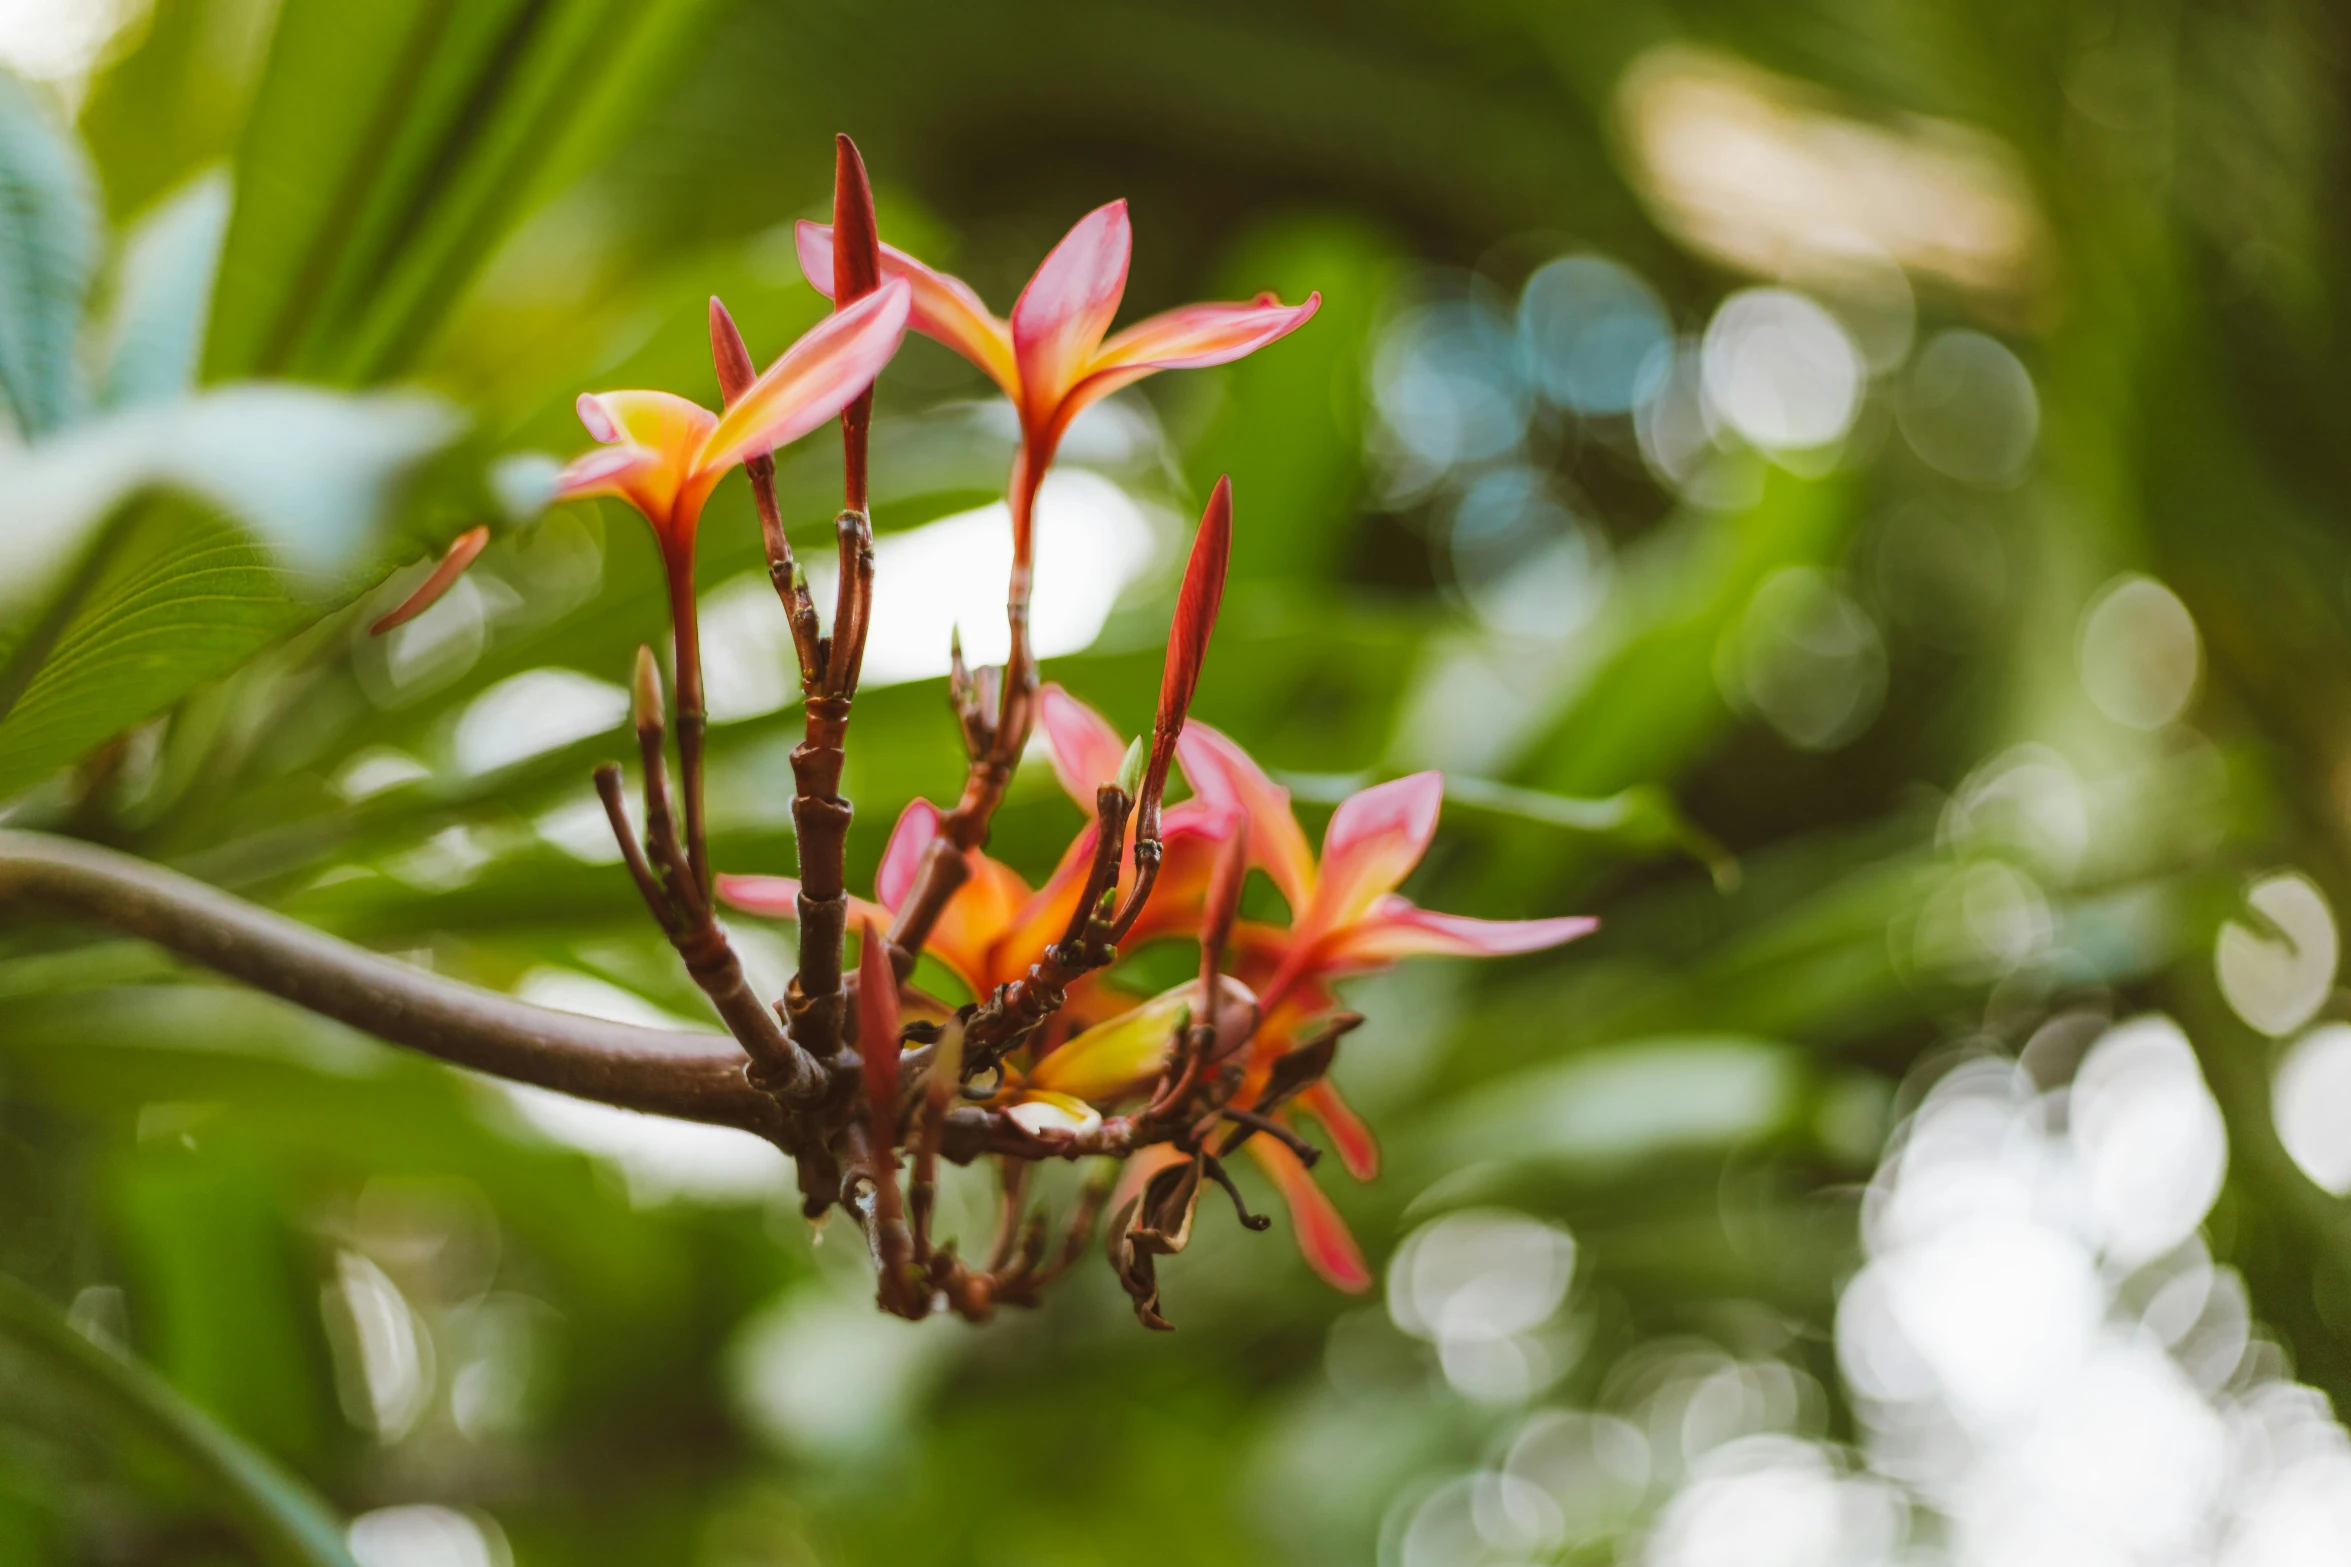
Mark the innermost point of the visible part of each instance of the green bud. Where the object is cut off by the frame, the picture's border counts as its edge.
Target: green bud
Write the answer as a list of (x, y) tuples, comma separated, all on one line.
[(1130, 771)]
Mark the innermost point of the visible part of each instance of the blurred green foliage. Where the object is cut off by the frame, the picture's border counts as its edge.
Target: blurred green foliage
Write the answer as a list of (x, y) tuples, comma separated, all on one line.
[(406, 1289)]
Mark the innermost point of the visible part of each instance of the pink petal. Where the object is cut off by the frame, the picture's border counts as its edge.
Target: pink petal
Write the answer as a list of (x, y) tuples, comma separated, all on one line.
[(1196, 335), (600, 424), (1225, 779), (650, 467), (1188, 338), (1323, 1237), (659, 421), (1395, 929), (817, 377), (945, 308), (902, 857), (1087, 752), (777, 897), (1059, 319), (1193, 837), (1375, 839), (1358, 1150)]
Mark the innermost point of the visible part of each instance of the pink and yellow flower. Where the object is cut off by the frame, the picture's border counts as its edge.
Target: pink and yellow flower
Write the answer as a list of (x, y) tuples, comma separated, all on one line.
[(1346, 917), (991, 930), (664, 454), (1052, 357)]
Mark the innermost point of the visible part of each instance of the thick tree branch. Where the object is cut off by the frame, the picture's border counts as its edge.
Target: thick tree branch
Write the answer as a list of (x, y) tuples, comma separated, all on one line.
[(695, 1077)]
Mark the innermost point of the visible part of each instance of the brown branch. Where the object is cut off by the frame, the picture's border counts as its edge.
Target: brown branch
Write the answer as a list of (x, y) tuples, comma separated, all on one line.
[(940, 1086), (735, 374), (681, 906), (694, 1077), (815, 1002), (1016, 1011)]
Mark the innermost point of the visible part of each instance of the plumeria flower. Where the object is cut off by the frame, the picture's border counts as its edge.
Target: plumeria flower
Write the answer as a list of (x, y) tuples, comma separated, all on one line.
[(997, 925), (1052, 358), (991, 930), (1346, 917), (1088, 753), (664, 455), (1121, 1057)]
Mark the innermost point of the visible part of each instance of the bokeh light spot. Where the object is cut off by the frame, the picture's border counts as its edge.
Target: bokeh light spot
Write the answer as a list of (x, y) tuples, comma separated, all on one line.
[(2277, 976)]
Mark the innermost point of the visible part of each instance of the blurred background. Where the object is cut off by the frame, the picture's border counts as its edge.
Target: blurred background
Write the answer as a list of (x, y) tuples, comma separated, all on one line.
[(1852, 494)]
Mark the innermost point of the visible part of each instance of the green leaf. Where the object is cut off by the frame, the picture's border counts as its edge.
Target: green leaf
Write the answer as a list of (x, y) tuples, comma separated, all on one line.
[(163, 292), (309, 471), (48, 249), (1287, 421), (391, 147), (1632, 1101), (177, 596), (1643, 817), (273, 1509)]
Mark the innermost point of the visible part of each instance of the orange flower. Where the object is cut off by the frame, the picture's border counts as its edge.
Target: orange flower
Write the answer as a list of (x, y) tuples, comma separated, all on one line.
[(992, 929)]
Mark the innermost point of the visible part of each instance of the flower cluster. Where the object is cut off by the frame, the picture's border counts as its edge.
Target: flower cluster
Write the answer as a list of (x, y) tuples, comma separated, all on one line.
[(873, 1081)]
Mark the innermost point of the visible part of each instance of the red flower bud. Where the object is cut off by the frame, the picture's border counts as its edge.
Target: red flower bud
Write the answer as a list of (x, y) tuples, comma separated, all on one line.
[(1187, 641), (729, 353)]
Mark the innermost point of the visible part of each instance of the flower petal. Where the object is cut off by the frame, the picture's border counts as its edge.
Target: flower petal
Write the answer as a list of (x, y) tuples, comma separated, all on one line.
[(1189, 338), (1223, 775), (1086, 750), (1323, 1237), (1358, 1150), (1375, 839), (902, 856), (966, 938), (945, 308), (1123, 1055), (1021, 934), (1059, 319), (815, 379), (1396, 929), (1192, 336), (778, 898), (654, 437), (1041, 1111), (1192, 835)]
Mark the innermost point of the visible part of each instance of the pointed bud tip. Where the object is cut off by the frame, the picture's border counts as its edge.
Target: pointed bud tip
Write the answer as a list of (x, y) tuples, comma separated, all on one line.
[(645, 690), (729, 354), (1197, 605), (1130, 767)]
